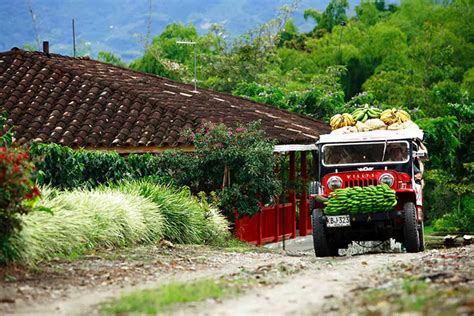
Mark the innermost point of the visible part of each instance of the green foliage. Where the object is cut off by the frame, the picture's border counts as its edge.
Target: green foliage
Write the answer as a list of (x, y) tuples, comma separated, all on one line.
[(110, 58), (449, 183), (441, 136), (239, 162), (66, 168), (322, 101), (127, 214), (18, 191), (6, 135), (83, 220), (334, 14), (457, 221), (186, 219), (157, 301)]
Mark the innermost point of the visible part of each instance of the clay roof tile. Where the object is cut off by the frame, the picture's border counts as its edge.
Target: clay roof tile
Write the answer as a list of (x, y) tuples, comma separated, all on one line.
[(82, 102)]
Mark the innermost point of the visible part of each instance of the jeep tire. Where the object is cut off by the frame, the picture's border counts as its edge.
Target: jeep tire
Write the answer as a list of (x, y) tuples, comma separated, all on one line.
[(322, 248), (421, 234), (410, 228), (313, 189)]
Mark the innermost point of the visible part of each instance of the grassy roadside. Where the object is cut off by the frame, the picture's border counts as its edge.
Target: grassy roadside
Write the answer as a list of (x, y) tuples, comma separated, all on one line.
[(163, 298), (173, 295), (411, 295), (438, 283)]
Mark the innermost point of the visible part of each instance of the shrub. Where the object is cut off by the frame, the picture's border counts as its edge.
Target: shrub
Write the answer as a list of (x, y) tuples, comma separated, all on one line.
[(242, 156), (458, 220), (65, 168), (239, 164), (128, 213), (186, 220), (17, 190), (83, 219)]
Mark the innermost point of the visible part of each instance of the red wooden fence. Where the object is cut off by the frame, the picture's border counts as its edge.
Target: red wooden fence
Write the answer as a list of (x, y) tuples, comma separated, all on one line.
[(269, 225)]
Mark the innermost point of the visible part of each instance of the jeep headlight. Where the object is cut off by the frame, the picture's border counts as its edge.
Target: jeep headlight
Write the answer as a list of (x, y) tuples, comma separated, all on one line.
[(387, 179), (334, 183)]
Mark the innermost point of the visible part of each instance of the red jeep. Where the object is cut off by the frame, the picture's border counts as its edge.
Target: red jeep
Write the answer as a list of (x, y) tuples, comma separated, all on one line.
[(363, 159)]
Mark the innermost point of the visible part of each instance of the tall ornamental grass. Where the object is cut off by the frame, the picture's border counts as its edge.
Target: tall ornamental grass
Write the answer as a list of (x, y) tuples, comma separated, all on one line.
[(82, 220), (127, 214), (186, 219)]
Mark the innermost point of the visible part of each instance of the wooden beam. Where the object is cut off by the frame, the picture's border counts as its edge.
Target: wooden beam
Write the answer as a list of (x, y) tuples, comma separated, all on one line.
[(294, 147), (142, 149)]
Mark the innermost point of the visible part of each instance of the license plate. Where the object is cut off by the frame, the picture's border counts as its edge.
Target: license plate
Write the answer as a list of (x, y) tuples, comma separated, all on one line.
[(338, 221)]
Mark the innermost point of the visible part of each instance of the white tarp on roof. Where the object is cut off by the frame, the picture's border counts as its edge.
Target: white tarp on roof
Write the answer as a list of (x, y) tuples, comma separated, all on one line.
[(410, 133)]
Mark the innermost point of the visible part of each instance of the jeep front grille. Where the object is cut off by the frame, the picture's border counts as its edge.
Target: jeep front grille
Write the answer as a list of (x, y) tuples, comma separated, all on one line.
[(359, 183)]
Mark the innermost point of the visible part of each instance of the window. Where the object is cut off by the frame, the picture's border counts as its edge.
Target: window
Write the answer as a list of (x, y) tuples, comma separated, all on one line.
[(365, 153)]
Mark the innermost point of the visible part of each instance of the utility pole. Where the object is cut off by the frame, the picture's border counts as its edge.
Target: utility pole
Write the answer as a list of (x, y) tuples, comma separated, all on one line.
[(195, 71), (73, 38), (339, 57)]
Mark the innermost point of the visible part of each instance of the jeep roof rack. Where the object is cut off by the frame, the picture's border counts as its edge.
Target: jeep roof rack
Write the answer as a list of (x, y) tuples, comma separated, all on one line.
[(410, 133)]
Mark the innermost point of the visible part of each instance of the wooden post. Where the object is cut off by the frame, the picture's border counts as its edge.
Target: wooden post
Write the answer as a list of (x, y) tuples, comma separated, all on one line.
[(277, 218), (293, 192), (259, 236), (304, 216), (315, 165)]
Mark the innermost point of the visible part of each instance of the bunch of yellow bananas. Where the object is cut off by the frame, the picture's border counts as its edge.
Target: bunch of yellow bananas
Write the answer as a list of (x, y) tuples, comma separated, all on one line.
[(392, 116), (341, 120)]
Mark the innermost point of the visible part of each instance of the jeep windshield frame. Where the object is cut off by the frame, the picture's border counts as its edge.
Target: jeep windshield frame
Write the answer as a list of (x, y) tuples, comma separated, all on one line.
[(366, 152)]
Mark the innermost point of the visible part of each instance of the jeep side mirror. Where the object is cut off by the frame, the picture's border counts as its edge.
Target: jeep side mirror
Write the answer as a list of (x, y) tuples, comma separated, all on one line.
[(421, 154)]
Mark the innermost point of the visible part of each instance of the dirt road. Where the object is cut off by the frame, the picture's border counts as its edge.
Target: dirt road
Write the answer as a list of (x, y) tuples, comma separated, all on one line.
[(304, 293), (78, 287)]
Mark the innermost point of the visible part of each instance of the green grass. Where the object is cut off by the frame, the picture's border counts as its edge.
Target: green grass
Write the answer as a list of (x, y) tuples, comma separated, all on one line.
[(104, 218), (83, 220), (429, 230), (187, 220), (410, 295), (157, 300)]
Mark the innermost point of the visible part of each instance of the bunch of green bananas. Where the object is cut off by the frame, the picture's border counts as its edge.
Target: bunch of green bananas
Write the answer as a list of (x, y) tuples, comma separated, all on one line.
[(341, 120), (392, 116), (370, 199), (365, 113)]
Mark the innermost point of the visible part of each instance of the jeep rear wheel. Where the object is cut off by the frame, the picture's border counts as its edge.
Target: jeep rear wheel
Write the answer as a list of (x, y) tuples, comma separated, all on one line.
[(421, 233), (313, 189), (410, 228), (322, 248)]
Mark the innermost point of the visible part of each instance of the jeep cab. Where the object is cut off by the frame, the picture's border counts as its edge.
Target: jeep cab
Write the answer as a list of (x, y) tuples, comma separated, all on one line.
[(369, 159)]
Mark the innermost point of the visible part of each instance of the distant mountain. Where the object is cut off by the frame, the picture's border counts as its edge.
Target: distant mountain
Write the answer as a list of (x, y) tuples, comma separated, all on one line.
[(115, 25)]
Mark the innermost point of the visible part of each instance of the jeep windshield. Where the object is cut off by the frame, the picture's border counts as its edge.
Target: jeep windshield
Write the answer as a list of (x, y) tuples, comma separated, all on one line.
[(369, 153)]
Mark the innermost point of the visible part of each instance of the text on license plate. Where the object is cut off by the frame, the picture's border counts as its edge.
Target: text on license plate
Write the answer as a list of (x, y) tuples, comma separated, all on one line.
[(338, 221)]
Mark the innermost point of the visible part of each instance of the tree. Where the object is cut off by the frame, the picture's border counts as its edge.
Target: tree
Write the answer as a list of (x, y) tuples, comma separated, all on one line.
[(110, 58), (334, 14)]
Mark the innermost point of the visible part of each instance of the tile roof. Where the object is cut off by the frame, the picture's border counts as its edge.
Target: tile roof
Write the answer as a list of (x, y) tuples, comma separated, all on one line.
[(80, 102)]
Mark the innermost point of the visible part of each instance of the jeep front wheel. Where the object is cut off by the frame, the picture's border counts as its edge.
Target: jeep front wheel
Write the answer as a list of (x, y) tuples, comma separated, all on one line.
[(410, 228), (322, 248)]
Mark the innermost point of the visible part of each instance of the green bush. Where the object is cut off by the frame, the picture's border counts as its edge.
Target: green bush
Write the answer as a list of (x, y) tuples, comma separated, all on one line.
[(82, 220), (65, 168), (242, 156), (17, 191), (186, 219), (239, 164), (106, 217), (457, 221)]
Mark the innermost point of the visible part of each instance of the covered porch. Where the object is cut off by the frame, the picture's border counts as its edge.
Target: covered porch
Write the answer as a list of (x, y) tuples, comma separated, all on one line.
[(289, 215)]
